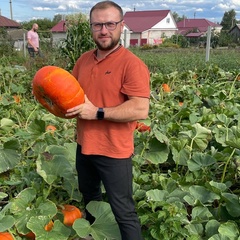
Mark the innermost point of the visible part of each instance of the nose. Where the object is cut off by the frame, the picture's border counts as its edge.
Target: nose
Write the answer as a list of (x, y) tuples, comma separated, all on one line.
[(104, 29)]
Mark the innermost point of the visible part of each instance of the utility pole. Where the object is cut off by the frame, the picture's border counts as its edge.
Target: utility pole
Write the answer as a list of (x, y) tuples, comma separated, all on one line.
[(208, 43), (11, 9)]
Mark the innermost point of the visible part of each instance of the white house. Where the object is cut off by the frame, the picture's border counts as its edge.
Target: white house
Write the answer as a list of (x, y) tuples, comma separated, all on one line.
[(149, 27)]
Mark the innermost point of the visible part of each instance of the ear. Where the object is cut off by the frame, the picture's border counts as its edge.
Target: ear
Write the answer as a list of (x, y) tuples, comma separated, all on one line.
[(122, 25)]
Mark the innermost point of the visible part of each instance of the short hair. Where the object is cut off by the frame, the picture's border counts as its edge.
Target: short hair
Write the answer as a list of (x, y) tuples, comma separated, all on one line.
[(105, 5)]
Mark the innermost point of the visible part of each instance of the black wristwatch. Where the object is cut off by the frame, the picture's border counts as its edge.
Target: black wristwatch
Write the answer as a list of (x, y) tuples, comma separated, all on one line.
[(100, 114)]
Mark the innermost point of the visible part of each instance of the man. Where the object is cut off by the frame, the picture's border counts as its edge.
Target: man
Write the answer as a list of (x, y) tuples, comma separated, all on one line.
[(33, 41), (116, 84)]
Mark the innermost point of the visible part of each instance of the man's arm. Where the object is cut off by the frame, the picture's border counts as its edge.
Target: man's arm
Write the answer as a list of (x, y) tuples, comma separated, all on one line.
[(134, 108)]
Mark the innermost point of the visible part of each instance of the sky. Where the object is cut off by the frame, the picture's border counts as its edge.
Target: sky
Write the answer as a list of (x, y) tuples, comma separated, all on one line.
[(26, 10)]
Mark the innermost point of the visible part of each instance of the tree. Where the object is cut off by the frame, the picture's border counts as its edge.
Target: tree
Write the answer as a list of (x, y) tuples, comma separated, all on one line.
[(58, 17), (228, 20), (177, 18)]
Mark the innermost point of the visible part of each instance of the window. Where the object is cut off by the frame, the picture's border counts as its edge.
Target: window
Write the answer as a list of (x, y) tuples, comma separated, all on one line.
[(168, 20)]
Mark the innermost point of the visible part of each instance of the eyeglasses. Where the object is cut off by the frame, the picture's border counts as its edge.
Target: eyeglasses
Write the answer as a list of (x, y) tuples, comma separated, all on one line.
[(108, 25)]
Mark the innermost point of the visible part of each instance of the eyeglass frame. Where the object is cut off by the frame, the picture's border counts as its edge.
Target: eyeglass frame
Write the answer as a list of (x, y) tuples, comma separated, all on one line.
[(105, 24)]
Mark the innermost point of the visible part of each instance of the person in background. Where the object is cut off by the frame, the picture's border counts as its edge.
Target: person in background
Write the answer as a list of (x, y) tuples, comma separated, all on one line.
[(33, 41), (117, 91)]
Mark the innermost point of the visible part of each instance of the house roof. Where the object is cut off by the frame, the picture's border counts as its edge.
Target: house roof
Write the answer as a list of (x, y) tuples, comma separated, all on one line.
[(194, 35), (237, 26), (59, 27), (201, 25), (8, 23), (136, 20)]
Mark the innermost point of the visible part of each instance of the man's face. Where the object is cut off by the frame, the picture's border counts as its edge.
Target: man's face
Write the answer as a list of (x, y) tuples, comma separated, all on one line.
[(107, 39), (35, 28)]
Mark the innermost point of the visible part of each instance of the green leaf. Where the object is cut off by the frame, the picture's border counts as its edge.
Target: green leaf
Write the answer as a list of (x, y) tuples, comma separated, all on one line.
[(181, 157), (199, 136), (6, 222), (54, 163), (37, 223), (24, 207), (232, 204), (9, 156), (201, 213), (199, 161), (156, 195), (202, 194), (6, 123), (104, 227), (195, 229), (212, 227), (158, 152), (229, 229), (219, 186)]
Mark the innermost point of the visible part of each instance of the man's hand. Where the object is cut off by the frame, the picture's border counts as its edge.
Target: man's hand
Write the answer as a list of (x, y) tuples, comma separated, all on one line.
[(85, 110)]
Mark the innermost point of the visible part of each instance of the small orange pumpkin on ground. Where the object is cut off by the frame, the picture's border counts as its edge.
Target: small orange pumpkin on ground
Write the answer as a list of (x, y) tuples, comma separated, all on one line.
[(70, 214), (166, 88), (51, 128), (57, 90), (49, 226), (6, 236), (142, 127), (16, 98), (180, 104)]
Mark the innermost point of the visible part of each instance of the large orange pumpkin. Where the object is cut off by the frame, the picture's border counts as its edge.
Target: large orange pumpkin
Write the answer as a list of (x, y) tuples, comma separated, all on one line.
[(70, 214), (6, 236), (57, 90)]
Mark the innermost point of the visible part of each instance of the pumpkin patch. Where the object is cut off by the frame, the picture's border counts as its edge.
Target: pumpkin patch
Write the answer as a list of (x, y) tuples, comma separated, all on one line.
[(57, 90)]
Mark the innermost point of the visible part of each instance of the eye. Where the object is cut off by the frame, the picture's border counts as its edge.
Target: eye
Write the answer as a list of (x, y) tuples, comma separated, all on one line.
[(97, 25), (110, 24)]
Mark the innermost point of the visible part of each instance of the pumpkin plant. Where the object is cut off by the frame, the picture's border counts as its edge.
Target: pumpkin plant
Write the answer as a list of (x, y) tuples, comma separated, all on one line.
[(57, 90), (70, 214), (32, 236)]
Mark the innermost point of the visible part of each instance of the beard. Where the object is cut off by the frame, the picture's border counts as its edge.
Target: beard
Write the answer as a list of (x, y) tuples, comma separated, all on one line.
[(106, 47)]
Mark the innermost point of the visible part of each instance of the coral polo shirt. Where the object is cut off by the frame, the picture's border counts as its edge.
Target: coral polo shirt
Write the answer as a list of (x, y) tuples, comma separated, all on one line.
[(107, 83)]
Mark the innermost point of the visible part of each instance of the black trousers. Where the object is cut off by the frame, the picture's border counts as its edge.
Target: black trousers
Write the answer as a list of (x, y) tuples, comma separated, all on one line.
[(32, 53), (116, 176)]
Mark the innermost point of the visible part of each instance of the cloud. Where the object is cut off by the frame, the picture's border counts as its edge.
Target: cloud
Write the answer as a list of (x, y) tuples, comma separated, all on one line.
[(42, 9)]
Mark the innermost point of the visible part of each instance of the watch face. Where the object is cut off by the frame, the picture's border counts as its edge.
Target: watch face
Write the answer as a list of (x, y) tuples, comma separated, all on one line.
[(100, 114)]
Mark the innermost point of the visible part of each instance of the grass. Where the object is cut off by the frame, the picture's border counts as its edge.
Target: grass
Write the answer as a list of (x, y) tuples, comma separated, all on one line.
[(166, 60)]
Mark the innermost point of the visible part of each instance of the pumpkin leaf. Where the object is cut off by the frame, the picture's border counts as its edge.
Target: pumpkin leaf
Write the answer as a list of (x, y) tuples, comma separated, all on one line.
[(202, 194), (9, 156), (232, 204), (104, 226), (199, 161), (229, 229), (199, 136), (24, 207), (6, 222), (158, 152), (37, 223)]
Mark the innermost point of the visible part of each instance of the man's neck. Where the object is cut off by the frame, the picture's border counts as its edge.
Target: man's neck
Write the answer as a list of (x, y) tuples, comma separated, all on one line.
[(102, 54)]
